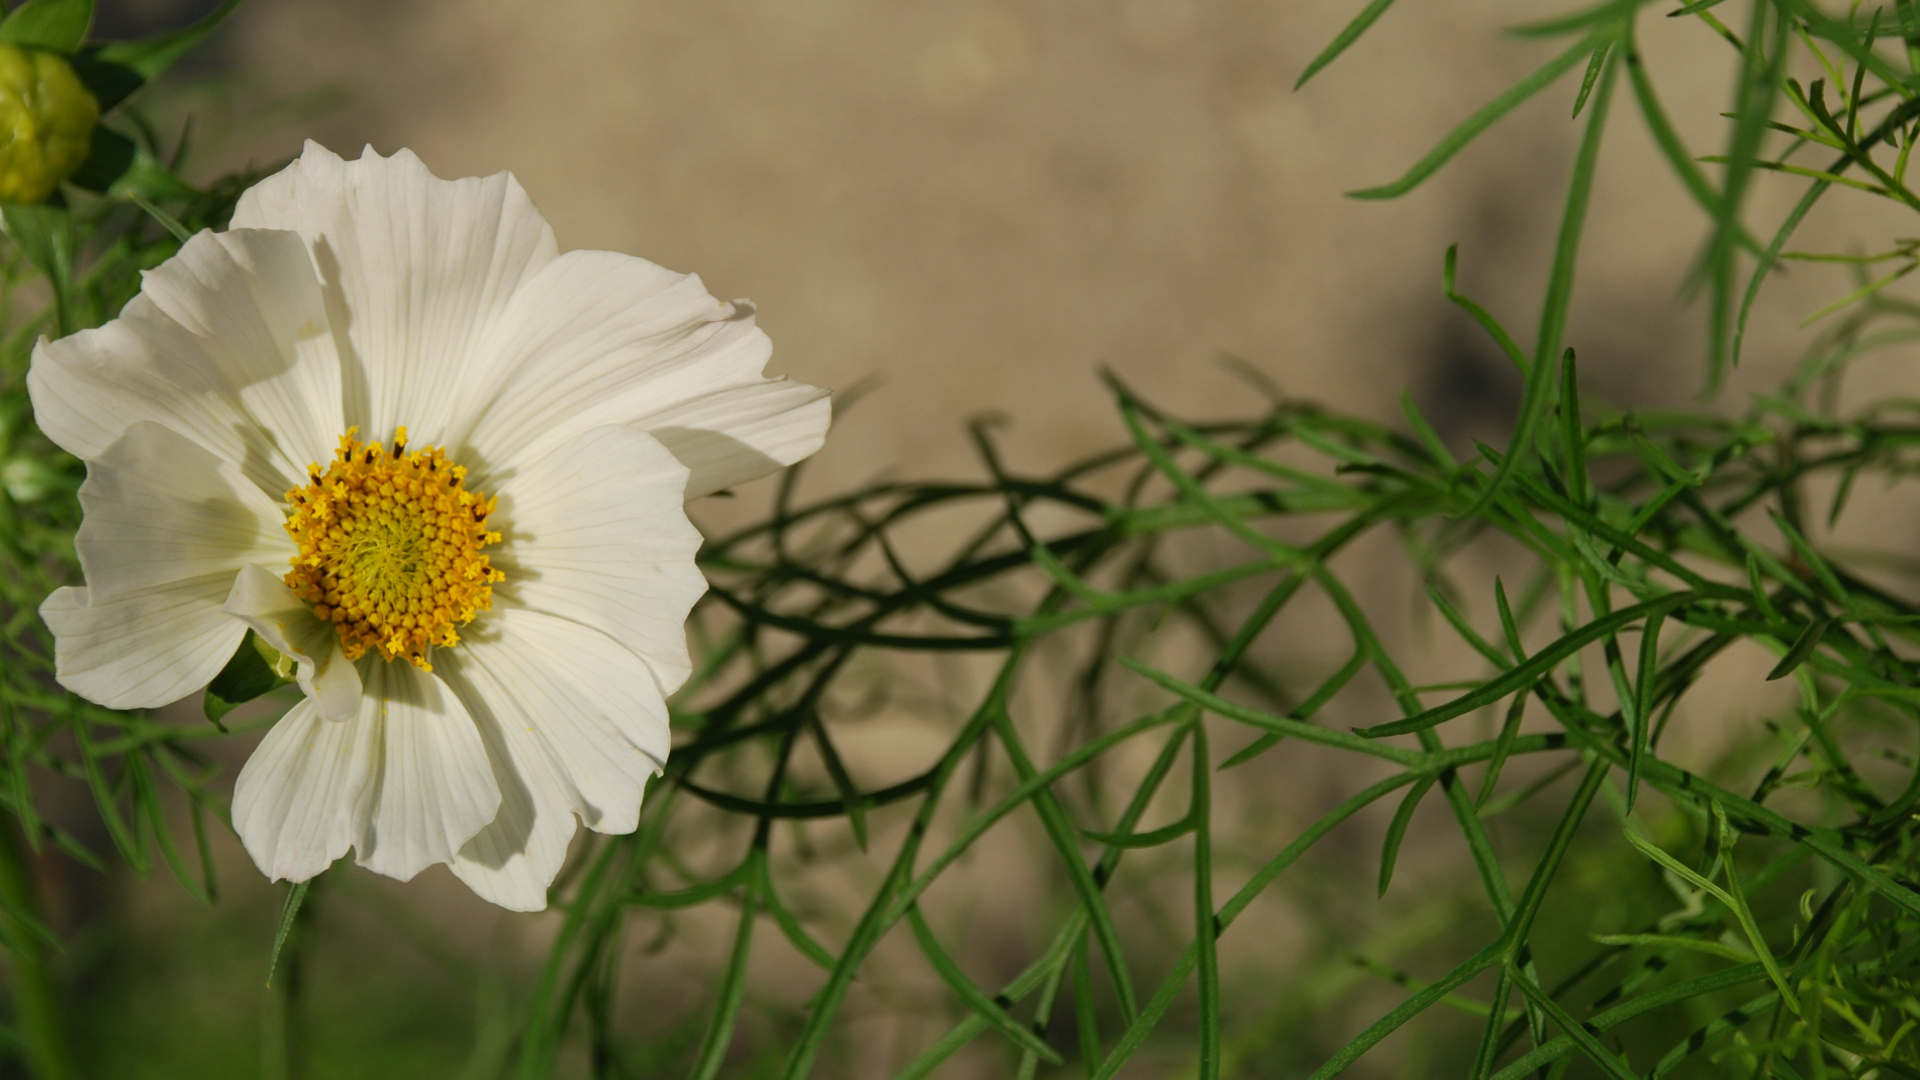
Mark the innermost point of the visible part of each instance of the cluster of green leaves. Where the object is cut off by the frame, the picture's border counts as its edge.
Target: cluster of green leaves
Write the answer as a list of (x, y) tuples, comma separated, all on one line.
[(1647, 572), (1659, 542), (66, 264), (1648, 550)]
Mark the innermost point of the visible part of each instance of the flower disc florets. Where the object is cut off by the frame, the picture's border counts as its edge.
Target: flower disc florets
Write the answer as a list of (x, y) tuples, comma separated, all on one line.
[(390, 548)]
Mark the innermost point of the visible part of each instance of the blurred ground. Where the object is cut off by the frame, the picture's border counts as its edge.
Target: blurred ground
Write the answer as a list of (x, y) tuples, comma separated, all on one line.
[(979, 205)]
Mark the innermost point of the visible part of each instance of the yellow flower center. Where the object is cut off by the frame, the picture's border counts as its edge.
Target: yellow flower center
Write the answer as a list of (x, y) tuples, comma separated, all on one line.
[(390, 548)]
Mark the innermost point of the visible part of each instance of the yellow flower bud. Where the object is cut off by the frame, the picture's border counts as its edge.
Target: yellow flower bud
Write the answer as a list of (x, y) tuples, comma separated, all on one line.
[(46, 122)]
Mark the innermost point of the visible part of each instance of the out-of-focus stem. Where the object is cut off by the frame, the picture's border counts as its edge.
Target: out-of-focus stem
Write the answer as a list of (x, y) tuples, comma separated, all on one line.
[(36, 1005)]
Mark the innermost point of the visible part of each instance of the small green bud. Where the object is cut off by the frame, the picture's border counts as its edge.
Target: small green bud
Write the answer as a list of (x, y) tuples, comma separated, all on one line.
[(46, 123)]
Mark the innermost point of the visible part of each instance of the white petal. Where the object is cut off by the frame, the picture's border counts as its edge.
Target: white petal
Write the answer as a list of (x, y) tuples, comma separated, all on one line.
[(436, 788), (161, 507), (262, 600), (572, 729), (142, 649), (514, 859), (414, 269), (732, 436), (303, 797), (587, 701), (602, 338), (595, 532), (227, 344)]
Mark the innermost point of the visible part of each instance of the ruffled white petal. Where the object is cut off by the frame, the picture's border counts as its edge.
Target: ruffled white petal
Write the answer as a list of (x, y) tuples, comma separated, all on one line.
[(161, 507), (415, 270), (227, 344), (261, 599), (303, 797), (142, 649), (602, 338), (435, 788), (732, 436), (515, 858), (595, 532), (575, 727)]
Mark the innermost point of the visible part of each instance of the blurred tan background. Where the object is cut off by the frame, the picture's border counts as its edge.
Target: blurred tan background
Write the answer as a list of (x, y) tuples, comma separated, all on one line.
[(981, 203)]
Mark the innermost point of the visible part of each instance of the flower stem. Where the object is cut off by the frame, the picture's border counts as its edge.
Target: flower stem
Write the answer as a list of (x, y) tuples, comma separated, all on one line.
[(35, 1003)]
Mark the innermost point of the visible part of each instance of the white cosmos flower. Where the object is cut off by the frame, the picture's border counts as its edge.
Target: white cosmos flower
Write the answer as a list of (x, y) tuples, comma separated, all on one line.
[(314, 423)]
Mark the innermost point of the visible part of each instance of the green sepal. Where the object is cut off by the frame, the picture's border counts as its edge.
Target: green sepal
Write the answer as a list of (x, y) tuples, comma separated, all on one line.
[(116, 166), (55, 25), (256, 668), (110, 83), (149, 178), (109, 156)]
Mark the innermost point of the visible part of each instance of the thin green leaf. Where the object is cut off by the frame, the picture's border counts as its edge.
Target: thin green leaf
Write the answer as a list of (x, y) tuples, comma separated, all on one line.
[(1803, 647), (1480, 121), (146, 59), (1671, 941), (1686, 873), (1576, 1030), (1536, 666), (733, 991), (1594, 65), (1347, 36), (44, 233), (1645, 679), (970, 994), (289, 911), (1559, 295), (1397, 830)]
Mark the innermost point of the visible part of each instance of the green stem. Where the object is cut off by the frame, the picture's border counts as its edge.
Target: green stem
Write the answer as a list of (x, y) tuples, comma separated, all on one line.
[(35, 1004)]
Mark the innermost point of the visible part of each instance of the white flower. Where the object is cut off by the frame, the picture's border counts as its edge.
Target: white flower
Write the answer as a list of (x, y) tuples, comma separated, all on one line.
[(463, 705)]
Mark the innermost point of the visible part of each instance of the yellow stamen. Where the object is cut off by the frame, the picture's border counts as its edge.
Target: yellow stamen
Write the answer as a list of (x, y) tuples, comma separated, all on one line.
[(390, 548)]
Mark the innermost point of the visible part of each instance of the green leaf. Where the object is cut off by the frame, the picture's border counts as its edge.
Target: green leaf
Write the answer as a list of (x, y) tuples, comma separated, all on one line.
[(850, 795), (1347, 36), (109, 157), (1594, 65), (1737, 906), (1672, 941), (1502, 747), (1803, 647), (1397, 831), (733, 991), (289, 911), (154, 55), (44, 234), (1472, 126), (109, 83), (1480, 315), (975, 998), (1641, 729), (1573, 432), (248, 675), (1535, 668), (1579, 1032), (1304, 711), (1559, 297), (56, 25)]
